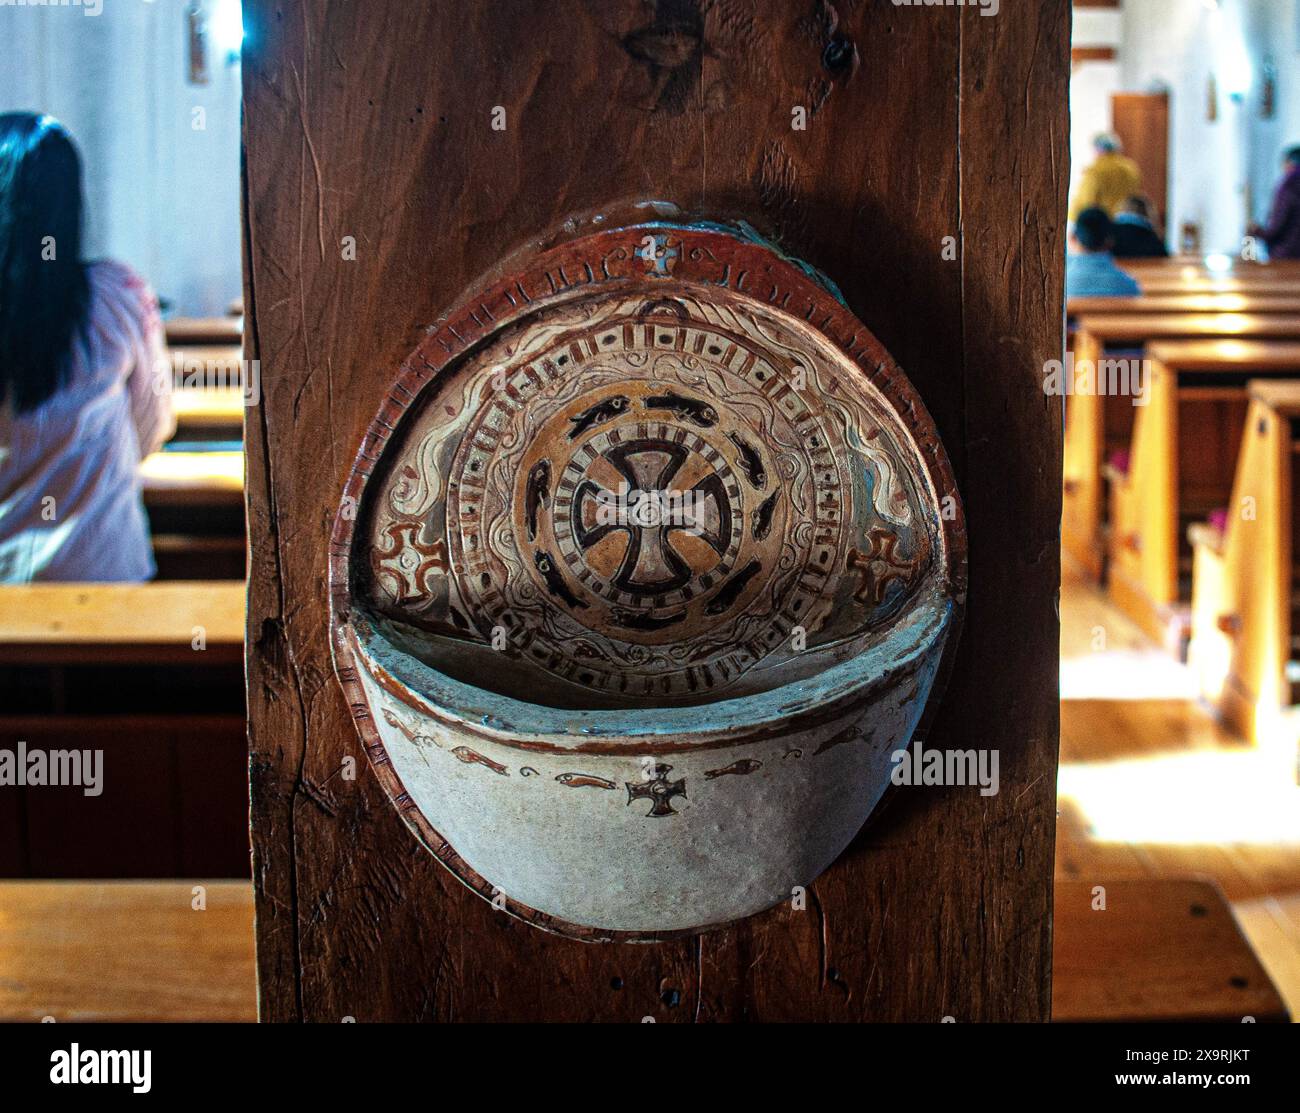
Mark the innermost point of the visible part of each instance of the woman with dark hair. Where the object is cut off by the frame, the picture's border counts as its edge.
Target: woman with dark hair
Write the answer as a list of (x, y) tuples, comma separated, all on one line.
[(84, 380)]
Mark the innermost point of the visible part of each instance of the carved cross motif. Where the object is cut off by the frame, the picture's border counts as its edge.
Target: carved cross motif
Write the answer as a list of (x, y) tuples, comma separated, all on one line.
[(650, 564), (658, 253), (660, 791), (880, 566)]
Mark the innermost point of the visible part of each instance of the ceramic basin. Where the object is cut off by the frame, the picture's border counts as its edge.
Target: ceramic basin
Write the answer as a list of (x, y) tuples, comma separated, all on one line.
[(647, 565)]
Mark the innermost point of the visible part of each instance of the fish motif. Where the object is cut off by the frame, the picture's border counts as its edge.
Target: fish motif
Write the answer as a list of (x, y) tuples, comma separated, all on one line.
[(741, 768), (473, 757), (730, 592), (845, 736), (688, 409), (750, 462), (760, 521), (632, 620), (411, 736), (601, 412), (555, 582), (537, 494), (584, 780)]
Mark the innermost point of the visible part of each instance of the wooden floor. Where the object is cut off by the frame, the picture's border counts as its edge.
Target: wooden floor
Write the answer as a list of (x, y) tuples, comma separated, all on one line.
[(1151, 787)]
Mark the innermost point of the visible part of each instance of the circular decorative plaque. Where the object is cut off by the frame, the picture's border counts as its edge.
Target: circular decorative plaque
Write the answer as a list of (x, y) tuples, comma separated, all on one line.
[(653, 520)]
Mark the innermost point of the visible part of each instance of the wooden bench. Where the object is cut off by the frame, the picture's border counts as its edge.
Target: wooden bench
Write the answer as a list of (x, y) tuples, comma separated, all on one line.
[(193, 479), (1246, 587), (126, 951), (1097, 423), (1160, 950), (133, 951), (204, 330), (151, 675), (1209, 284), (140, 623), (195, 500), (1183, 455), (1193, 302), (209, 414)]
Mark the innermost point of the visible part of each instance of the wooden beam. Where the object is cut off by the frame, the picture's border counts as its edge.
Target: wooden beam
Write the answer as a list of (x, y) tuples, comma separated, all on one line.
[(1080, 54), (650, 108)]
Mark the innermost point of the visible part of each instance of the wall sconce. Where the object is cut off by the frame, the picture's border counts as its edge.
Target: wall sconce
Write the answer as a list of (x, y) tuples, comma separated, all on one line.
[(1268, 91), (196, 30)]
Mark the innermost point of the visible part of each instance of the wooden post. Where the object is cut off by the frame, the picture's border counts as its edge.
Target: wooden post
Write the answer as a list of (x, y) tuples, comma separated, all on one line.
[(377, 189)]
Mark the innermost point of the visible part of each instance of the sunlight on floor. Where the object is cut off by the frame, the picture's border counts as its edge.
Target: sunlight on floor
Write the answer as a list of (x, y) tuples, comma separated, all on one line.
[(1124, 674), (1150, 785), (1190, 798)]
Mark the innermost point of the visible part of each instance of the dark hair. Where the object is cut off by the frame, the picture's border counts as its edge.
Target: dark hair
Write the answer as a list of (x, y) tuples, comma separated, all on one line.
[(1292, 154), (1137, 205), (44, 290), (1092, 229)]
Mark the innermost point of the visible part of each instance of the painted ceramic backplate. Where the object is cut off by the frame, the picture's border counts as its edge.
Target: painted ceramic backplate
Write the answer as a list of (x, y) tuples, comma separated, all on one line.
[(645, 568)]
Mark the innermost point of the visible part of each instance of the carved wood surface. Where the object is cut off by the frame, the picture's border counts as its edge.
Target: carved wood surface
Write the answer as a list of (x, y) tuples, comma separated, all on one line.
[(373, 121)]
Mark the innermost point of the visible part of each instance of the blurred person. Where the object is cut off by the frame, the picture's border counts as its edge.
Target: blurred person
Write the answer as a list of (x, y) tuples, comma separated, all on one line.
[(1109, 181), (1133, 234), (1282, 233), (1090, 271), (84, 381)]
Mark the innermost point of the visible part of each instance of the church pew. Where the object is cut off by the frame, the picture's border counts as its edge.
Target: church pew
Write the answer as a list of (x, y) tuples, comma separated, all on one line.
[(1184, 450), (1198, 264), (1097, 424), (88, 623), (1158, 951), (221, 362), (128, 951), (195, 502), (194, 497), (191, 479), (1245, 302), (204, 330), (1246, 592), (1207, 283), (208, 414), (137, 951), (151, 677)]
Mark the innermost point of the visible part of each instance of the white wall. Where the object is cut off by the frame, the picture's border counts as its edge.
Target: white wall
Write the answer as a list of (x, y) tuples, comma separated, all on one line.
[(1092, 84), (161, 194), (1221, 173)]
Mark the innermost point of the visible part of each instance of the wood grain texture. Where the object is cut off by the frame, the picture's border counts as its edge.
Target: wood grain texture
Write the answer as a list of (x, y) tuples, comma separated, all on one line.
[(373, 121), (92, 623), (125, 951), (1157, 951)]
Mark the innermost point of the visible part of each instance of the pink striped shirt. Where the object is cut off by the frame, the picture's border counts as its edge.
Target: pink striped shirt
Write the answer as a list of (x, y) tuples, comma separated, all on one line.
[(70, 502)]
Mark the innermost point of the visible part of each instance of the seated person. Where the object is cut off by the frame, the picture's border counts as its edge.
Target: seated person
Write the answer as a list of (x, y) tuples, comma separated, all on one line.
[(84, 379), (1091, 270), (1282, 233), (1134, 235), (1109, 181)]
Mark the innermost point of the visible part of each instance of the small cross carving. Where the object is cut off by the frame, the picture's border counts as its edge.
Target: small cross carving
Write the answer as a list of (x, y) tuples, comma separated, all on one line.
[(659, 791)]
